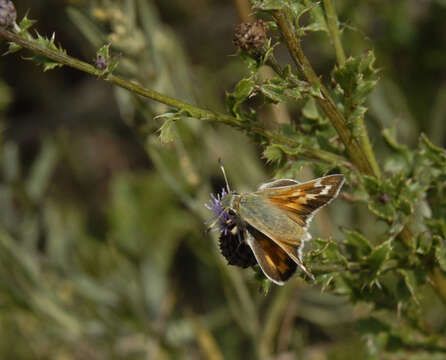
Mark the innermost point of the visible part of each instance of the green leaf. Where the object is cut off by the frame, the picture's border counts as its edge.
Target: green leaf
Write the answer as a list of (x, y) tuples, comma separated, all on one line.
[(435, 154), (315, 91), (355, 80), (25, 24), (317, 16), (440, 255), (48, 43), (357, 245), (310, 109), (401, 160), (167, 131), (291, 169), (268, 5), (252, 63), (372, 325), (389, 135), (242, 91), (278, 90), (13, 48), (378, 257), (273, 153), (371, 184), (327, 252), (411, 282)]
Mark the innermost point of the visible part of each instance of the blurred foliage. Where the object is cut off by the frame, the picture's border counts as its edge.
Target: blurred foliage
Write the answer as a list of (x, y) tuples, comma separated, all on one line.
[(103, 251)]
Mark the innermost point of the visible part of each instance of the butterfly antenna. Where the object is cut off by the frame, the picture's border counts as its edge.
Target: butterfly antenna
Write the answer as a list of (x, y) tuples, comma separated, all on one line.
[(224, 174)]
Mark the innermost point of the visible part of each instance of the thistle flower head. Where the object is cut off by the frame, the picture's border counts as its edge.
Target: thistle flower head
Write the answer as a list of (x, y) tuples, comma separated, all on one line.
[(232, 238), (224, 219)]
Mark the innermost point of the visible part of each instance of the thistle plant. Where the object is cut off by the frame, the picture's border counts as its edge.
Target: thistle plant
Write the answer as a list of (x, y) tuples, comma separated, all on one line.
[(388, 272)]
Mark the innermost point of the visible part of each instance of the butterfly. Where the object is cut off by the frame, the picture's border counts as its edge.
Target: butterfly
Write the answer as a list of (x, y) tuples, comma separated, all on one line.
[(273, 221)]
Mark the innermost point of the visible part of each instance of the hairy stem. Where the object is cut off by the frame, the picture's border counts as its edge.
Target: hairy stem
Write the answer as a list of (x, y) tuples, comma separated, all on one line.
[(332, 21)]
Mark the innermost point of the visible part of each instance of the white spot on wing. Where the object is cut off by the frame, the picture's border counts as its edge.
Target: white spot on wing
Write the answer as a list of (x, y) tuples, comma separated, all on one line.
[(271, 184)]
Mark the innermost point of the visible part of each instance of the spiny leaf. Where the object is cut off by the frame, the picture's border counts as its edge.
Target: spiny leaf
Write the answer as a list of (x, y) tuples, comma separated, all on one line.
[(310, 109), (296, 10), (357, 244), (25, 24), (276, 152), (327, 252), (411, 282), (389, 135), (241, 93), (270, 4), (273, 153), (167, 130), (372, 325), (435, 154), (355, 81), (48, 43), (278, 90), (317, 22), (378, 257), (243, 89)]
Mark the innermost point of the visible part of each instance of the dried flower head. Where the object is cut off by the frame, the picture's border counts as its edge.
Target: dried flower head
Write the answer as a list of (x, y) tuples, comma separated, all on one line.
[(8, 13), (251, 36)]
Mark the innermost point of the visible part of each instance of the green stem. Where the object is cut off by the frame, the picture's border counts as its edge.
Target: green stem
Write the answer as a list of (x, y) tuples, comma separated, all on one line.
[(273, 317), (364, 159), (193, 111), (332, 21)]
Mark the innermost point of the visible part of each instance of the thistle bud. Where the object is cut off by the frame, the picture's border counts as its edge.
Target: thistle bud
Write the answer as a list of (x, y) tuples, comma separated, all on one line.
[(8, 13), (251, 36), (100, 63)]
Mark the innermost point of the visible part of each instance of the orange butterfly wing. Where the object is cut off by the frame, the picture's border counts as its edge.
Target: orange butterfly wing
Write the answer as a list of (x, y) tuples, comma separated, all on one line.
[(300, 201), (275, 263)]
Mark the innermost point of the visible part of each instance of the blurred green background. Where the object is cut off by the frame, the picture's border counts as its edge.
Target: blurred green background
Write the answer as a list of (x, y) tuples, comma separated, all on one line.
[(103, 250)]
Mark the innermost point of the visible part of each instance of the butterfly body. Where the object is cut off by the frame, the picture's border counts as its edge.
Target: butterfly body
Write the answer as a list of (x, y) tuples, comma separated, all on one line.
[(274, 220)]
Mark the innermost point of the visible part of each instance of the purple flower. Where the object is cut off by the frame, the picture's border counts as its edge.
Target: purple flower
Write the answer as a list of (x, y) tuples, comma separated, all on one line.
[(100, 63), (222, 217)]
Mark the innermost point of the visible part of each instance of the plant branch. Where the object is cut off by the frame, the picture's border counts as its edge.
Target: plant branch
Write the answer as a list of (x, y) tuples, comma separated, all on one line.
[(363, 158), (332, 21), (191, 110), (273, 316)]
